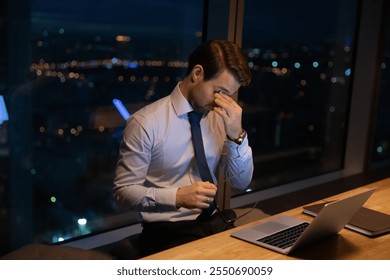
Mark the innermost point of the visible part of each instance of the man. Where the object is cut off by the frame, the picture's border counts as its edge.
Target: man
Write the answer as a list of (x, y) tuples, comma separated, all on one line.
[(157, 172)]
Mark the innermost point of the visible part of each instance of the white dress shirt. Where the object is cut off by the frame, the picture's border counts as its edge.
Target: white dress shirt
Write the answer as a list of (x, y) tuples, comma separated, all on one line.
[(156, 157)]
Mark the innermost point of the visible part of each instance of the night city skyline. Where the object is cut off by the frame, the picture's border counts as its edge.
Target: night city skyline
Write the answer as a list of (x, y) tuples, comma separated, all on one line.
[(84, 55), (108, 59)]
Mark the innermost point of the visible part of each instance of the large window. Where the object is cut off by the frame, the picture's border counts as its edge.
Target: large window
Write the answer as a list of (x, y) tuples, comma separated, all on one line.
[(301, 55), (72, 71), (89, 64)]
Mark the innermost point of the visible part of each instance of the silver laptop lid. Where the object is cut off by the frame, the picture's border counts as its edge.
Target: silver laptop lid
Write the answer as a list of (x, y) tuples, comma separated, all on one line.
[(331, 219)]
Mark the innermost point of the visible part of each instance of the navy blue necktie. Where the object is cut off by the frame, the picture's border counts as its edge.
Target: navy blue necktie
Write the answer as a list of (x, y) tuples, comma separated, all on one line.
[(200, 156)]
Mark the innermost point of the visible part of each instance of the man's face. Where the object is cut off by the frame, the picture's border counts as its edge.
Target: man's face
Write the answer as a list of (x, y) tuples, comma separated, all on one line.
[(202, 96)]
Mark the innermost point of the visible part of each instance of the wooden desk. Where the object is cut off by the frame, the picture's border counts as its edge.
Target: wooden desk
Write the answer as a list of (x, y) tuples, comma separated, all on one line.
[(347, 245)]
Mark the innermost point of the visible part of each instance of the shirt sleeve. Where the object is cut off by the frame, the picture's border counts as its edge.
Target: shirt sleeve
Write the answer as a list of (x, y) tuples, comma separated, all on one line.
[(239, 164), (130, 191)]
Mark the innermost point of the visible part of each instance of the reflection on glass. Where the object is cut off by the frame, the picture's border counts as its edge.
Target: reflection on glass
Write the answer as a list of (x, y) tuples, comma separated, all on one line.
[(300, 53), (381, 144)]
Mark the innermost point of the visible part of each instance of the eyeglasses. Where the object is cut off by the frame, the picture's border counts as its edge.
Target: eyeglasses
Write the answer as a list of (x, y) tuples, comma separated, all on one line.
[(226, 215), (230, 220)]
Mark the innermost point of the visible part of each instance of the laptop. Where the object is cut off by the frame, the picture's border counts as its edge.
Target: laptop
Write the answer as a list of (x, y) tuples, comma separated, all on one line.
[(285, 234)]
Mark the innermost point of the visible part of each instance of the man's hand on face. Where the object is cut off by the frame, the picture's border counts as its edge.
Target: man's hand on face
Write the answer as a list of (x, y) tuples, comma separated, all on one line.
[(198, 195), (231, 114)]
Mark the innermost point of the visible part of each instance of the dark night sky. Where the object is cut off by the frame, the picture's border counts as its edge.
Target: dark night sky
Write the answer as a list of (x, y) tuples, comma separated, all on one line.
[(115, 12), (112, 11), (270, 21), (301, 20)]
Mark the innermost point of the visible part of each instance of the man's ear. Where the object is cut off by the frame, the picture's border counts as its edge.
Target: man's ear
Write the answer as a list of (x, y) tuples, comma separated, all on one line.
[(197, 73)]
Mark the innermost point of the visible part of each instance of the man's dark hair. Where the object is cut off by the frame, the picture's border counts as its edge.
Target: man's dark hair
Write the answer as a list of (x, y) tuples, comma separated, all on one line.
[(217, 55)]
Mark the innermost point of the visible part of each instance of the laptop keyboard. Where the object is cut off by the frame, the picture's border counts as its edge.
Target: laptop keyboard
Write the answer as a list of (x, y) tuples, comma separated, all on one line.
[(285, 238)]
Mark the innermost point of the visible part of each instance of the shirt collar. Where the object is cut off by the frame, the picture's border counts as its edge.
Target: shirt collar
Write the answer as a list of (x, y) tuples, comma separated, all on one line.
[(179, 102)]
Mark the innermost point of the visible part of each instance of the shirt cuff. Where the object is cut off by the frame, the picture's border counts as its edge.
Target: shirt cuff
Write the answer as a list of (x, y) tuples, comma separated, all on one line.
[(166, 199), (236, 150)]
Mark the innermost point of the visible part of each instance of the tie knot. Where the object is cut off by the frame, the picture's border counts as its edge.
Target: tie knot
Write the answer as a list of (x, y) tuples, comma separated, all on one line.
[(194, 117)]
